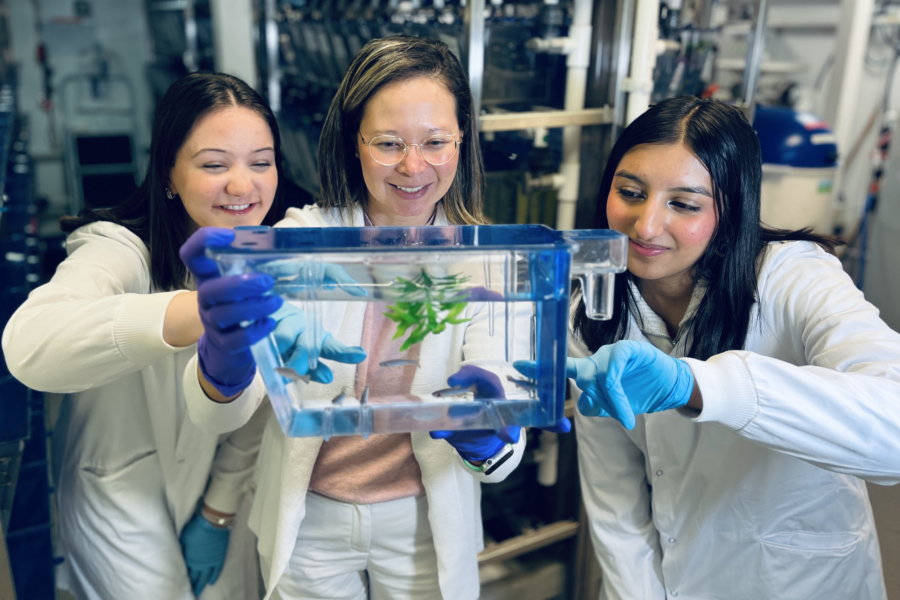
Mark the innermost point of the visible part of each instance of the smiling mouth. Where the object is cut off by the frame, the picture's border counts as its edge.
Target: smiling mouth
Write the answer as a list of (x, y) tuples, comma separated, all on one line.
[(648, 246), (236, 206), (408, 190)]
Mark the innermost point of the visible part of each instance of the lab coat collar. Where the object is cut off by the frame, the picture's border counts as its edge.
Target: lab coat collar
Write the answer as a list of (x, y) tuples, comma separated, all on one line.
[(357, 218), (652, 325)]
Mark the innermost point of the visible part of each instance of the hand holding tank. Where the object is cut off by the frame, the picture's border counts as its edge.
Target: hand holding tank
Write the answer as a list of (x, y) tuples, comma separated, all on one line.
[(486, 295)]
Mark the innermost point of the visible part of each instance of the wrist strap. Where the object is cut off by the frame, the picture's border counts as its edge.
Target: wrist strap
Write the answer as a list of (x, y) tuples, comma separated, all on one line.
[(493, 463), (215, 520)]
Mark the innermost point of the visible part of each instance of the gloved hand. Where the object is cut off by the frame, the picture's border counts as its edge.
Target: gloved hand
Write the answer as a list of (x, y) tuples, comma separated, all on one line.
[(478, 444), (294, 340), (528, 368), (233, 310), (204, 547), (629, 378)]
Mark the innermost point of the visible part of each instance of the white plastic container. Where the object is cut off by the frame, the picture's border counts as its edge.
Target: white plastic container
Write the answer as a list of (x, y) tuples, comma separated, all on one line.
[(794, 198)]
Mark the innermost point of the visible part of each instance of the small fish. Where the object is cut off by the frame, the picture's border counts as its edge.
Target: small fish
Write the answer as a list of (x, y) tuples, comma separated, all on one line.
[(339, 399), (399, 362), (454, 392), (292, 374), (365, 396), (522, 383)]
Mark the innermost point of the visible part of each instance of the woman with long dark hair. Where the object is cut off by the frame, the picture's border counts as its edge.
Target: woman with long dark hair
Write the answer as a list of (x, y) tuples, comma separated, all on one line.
[(753, 391), (114, 329), (393, 516)]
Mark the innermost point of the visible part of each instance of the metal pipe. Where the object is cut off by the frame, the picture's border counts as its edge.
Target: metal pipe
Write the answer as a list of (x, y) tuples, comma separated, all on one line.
[(474, 25), (273, 83), (754, 59)]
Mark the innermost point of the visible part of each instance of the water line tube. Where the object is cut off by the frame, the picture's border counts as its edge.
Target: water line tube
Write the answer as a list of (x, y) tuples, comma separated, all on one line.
[(577, 63), (639, 84)]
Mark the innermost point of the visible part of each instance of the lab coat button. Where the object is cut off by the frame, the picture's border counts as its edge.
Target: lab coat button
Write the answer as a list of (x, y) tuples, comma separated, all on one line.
[(659, 472), (671, 540), (674, 593)]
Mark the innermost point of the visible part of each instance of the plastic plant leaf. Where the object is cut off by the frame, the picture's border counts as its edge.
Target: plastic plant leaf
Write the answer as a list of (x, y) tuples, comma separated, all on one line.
[(429, 302)]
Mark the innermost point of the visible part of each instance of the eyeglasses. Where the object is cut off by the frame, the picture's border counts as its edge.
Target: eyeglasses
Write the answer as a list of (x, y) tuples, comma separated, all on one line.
[(389, 150)]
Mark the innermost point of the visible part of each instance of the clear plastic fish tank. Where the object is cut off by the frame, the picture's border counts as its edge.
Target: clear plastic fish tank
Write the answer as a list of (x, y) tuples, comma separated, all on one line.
[(424, 302)]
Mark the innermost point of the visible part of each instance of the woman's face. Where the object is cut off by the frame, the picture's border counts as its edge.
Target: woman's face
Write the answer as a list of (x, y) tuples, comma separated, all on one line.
[(661, 198), (225, 173), (405, 194)]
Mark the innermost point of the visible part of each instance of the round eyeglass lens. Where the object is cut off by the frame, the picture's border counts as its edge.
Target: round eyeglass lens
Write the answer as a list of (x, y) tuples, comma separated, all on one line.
[(437, 150)]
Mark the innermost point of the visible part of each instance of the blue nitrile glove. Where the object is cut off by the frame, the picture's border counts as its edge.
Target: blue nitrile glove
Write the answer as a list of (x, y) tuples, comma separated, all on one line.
[(293, 338), (234, 311), (478, 444), (629, 378), (528, 368), (204, 547)]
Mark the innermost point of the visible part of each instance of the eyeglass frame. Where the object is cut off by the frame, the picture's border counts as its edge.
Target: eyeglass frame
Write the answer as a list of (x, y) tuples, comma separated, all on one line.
[(406, 148)]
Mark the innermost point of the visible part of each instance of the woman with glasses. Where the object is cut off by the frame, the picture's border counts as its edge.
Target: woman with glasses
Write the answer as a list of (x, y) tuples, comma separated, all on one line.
[(392, 516)]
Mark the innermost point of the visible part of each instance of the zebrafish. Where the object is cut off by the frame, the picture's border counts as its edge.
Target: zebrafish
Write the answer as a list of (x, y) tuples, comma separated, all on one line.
[(339, 399), (399, 362), (365, 396), (454, 392), (292, 374), (522, 383)]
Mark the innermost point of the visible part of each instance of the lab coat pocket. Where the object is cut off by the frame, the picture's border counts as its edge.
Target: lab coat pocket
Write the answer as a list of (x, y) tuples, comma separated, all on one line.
[(121, 468), (802, 564)]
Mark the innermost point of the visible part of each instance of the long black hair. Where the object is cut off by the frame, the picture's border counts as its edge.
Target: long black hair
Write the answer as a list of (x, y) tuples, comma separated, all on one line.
[(163, 224), (721, 138)]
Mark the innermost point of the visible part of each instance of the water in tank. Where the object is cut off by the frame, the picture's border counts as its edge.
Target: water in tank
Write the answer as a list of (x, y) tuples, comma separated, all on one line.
[(456, 295)]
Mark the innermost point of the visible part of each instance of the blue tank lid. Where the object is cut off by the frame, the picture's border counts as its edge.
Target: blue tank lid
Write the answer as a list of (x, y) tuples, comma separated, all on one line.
[(794, 138)]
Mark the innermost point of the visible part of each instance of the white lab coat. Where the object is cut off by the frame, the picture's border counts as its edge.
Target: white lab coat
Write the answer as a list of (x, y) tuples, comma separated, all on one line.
[(285, 464), (762, 494), (131, 465)]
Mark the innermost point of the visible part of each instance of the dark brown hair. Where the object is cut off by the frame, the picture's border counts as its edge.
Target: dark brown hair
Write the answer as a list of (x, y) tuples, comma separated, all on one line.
[(380, 63), (722, 139), (164, 224)]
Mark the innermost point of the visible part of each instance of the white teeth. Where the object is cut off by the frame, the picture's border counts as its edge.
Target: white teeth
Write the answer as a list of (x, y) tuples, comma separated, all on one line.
[(410, 190), (236, 206)]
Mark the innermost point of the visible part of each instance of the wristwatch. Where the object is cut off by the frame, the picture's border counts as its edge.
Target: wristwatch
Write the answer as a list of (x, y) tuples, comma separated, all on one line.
[(493, 463)]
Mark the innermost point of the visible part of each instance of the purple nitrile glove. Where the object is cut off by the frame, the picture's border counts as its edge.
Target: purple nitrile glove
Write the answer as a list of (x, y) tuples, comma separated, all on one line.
[(234, 311), (478, 444)]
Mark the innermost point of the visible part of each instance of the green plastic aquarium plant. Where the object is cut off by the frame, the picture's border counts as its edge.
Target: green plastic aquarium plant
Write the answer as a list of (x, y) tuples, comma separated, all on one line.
[(429, 304)]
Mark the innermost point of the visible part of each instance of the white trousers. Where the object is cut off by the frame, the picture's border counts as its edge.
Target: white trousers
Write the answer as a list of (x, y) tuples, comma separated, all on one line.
[(340, 547)]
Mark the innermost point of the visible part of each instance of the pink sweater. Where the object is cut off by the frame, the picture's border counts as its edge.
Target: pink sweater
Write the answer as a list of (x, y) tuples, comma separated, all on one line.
[(382, 468)]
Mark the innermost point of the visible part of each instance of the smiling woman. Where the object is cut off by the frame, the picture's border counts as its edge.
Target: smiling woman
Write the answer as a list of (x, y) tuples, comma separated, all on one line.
[(114, 330), (225, 171), (743, 390), (399, 148)]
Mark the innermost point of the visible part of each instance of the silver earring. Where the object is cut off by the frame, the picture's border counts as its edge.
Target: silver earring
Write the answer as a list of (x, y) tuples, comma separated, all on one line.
[(169, 194)]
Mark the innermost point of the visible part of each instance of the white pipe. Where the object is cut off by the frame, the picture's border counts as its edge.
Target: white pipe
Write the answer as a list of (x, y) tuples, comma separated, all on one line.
[(643, 58), (576, 83), (233, 47), (547, 458)]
